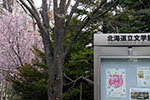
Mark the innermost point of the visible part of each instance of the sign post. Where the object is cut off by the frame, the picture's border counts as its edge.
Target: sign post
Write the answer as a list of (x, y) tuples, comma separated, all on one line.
[(122, 66)]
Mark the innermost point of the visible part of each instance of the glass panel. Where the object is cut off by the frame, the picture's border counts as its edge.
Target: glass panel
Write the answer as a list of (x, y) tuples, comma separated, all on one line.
[(121, 76)]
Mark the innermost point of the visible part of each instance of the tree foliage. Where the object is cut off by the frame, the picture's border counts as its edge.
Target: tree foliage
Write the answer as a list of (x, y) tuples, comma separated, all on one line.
[(130, 16), (30, 78), (30, 83), (78, 68)]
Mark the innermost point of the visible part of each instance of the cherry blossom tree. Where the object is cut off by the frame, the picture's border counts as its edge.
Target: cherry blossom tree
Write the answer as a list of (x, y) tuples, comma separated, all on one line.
[(17, 38)]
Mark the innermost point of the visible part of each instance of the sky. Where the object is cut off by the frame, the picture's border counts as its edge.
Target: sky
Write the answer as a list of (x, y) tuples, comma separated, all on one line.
[(38, 3)]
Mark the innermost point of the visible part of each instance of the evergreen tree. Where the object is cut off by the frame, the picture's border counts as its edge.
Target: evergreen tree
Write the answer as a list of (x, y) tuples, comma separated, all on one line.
[(30, 83)]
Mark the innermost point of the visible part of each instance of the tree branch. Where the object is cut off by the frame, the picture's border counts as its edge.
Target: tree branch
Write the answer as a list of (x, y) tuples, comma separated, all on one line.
[(55, 5), (67, 77), (73, 82), (49, 4), (84, 22), (17, 54), (38, 20), (68, 4), (19, 58), (44, 14), (88, 80), (22, 7), (106, 10), (80, 27), (44, 28), (34, 8), (33, 13), (70, 15)]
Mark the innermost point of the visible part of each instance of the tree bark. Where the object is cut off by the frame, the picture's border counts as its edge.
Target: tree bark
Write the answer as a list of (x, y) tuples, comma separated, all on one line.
[(81, 87), (55, 82), (56, 70)]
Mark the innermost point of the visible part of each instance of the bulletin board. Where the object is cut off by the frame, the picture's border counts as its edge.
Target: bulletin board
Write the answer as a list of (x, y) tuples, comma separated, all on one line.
[(125, 78)]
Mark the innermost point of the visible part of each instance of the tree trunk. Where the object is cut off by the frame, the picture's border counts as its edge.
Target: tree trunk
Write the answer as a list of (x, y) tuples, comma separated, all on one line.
[(55, 82), (55, 85), (81, 86)]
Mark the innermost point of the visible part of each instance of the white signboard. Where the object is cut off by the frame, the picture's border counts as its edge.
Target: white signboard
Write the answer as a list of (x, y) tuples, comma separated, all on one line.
[(122, 39)]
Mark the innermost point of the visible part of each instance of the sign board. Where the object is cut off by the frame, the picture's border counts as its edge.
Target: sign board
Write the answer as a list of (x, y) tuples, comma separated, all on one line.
[(122, 39), (118, 74)]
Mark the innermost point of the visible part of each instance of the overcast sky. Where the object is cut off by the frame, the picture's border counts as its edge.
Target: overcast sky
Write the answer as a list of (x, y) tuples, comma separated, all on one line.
[(38, 3)]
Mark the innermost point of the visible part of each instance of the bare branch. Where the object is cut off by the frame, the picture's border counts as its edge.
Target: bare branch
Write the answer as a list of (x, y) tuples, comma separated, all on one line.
[(19, 58), (33, 7), (68, 77), (81, 77), (73, 82), (55, 3), (70, 15), (32, 12), (44, 14), (49, 4), (34, 23), (44, 27), (106, 10), (22, 7), (81, 26), (68, 4), (84, 22), (39, 23), (88, 80)]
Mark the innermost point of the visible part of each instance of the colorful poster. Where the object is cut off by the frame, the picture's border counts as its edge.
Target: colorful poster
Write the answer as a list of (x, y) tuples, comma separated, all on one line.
[(139, 94), (115, 82), (143, 76)]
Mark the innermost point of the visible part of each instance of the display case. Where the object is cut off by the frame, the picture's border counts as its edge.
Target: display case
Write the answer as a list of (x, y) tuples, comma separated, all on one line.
[(121, 68)]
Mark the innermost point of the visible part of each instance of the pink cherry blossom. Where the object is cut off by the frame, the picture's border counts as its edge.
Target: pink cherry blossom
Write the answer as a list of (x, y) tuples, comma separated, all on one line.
[(17, 37)]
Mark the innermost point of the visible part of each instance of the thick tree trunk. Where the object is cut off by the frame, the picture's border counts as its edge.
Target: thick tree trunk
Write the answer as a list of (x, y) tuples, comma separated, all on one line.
[(55, 82), (55, 85)]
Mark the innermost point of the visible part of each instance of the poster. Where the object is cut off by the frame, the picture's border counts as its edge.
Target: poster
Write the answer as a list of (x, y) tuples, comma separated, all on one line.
[(143, 76), (139, 94), (115, 82)]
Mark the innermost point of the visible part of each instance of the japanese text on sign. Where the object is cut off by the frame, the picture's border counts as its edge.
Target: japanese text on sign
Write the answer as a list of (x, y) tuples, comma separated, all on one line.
[(128, 38)]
